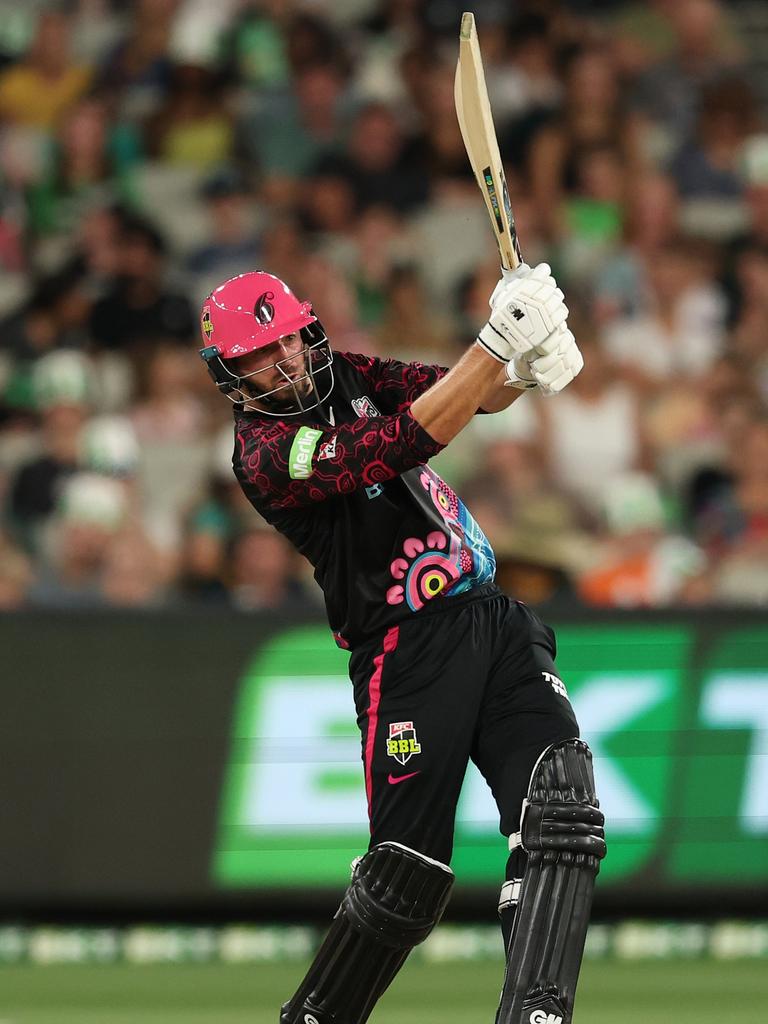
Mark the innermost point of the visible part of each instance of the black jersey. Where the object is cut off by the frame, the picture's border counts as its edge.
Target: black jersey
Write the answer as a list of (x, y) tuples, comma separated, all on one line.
[(384, 533)]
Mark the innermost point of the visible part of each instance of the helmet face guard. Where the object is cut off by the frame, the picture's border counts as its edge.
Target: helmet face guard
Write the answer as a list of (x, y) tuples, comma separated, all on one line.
[(284, 399)]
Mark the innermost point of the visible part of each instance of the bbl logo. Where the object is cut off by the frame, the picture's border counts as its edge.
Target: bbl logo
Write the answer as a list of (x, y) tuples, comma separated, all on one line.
[(402, 743), (264, 311), (207, 325)]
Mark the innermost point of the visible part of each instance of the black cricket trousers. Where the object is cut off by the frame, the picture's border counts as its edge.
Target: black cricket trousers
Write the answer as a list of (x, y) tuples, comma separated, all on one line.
[(473, 678)]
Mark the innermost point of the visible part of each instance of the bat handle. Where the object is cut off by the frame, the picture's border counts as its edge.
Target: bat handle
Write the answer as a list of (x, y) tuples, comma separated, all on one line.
[(511, 260)]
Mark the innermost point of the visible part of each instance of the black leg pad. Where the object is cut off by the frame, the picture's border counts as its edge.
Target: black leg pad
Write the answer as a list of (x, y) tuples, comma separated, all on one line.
[(561, 830), (395, 899)]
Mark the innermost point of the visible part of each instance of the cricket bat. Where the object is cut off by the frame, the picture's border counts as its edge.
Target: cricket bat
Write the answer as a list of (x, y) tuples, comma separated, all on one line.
[(473, 111)]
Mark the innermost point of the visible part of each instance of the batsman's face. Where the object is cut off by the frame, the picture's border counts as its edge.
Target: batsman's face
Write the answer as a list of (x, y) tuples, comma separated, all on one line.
[(275, 366)]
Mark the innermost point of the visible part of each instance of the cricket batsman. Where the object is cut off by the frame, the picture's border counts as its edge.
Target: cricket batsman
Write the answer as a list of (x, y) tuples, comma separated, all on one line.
[(333, 449)]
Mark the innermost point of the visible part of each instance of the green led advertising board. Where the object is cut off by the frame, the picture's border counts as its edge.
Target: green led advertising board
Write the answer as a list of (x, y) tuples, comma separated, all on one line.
[(676, 715)]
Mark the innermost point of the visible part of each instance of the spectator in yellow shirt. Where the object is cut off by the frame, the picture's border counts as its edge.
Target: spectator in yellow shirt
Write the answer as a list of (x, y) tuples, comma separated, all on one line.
[(37, 90)]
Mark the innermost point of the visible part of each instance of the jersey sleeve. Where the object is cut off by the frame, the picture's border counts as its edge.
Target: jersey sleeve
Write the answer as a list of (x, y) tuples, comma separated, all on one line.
[(395, 384), (283, 466)]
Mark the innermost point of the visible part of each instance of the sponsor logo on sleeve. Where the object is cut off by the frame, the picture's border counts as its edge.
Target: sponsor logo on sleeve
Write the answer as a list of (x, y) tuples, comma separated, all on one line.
[(302, 450), (328, 450)]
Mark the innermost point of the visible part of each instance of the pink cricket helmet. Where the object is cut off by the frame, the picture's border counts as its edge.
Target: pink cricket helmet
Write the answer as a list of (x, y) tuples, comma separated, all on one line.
[(251, 311)]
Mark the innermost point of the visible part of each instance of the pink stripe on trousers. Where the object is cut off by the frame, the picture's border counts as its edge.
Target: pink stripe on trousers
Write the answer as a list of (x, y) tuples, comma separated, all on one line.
[(374, 698)]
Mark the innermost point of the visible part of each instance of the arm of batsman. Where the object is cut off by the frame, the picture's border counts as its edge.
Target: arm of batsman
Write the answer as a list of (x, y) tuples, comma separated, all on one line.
[(552, 366), (528, 312)]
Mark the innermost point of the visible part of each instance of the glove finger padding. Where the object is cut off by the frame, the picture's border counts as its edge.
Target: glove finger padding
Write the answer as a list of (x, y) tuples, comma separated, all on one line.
[(543, 364), (552, 344), (541, 271), (558, 385), (541, 288), (560, 340), (555, 370), (578, 365), (543, 292), (560, 312)]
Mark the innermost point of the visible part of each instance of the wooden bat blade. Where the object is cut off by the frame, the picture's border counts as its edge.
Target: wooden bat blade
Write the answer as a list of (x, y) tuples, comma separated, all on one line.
[(473, 110)]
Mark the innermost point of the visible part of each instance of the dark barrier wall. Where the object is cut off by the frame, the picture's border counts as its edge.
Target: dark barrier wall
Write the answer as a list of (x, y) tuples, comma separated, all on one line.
[(211, 762)]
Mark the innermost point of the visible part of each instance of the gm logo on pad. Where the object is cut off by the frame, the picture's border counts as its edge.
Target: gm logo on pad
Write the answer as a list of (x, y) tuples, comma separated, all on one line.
[(542, 1017)]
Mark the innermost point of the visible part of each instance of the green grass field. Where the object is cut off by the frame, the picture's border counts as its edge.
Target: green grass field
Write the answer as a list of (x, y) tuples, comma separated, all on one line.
[(673, 992)]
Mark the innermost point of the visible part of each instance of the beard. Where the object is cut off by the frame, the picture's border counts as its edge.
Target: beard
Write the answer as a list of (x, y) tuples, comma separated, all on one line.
[(292, 397), (284, 399)]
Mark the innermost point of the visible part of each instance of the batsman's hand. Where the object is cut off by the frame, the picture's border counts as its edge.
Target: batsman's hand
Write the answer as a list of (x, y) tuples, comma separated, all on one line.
[(550, 367), (528, 311)]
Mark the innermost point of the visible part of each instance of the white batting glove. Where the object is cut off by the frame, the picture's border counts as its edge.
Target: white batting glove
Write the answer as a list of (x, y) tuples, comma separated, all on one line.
[(519, 375), (552, 367), (527, 313), (507, 277)]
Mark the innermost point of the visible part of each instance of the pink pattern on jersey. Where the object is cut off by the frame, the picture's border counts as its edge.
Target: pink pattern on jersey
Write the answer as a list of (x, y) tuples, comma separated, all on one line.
[(427, 573), (445, 499), (366, 452)]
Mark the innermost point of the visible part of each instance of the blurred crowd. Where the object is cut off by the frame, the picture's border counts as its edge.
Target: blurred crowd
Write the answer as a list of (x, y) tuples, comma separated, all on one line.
[(149, 150)]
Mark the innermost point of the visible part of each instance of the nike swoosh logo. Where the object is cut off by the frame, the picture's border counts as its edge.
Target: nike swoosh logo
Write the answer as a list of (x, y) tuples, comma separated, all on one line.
[(394, 779)]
